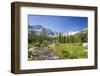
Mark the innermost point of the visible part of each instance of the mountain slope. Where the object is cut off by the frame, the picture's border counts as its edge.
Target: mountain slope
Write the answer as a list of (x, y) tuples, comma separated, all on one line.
[(40, 30)]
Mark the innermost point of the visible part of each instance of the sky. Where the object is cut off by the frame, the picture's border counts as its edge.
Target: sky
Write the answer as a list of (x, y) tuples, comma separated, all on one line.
[(59, 23)]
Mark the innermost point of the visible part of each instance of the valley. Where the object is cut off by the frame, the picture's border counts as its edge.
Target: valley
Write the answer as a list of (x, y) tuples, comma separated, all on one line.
[(45, 44)]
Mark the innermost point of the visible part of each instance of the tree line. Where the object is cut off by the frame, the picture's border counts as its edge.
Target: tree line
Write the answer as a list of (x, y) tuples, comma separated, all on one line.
[(77, 38)]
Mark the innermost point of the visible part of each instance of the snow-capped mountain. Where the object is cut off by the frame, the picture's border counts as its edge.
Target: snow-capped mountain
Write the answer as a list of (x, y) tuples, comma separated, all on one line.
[(40, 30), (70, 33)]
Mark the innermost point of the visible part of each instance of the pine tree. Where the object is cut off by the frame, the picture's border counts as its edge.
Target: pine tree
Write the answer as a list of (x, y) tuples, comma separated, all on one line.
[(64, 39), (60, 38)]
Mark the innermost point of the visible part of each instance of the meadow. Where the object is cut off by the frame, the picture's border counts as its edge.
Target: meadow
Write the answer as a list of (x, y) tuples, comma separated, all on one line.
[(69, 51)]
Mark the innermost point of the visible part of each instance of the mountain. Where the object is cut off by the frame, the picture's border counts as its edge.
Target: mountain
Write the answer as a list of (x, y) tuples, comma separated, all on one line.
[(40, 30), (83, 35), (85, 30)]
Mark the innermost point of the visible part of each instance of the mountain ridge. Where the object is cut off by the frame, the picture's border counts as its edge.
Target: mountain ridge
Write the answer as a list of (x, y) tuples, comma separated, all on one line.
[(40, 30)]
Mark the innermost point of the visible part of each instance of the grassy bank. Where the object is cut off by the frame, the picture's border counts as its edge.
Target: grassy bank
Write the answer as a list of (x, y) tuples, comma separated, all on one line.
[(69, 51)]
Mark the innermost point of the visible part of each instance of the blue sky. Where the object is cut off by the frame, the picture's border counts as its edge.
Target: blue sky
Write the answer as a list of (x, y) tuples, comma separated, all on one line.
[(59, 23)]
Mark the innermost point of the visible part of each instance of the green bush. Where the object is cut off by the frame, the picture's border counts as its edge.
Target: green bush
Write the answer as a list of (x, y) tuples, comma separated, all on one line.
[(30, 45), (37, 45)]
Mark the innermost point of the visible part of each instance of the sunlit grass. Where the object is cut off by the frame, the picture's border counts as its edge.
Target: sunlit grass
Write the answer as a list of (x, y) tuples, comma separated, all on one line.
[(69, 51)]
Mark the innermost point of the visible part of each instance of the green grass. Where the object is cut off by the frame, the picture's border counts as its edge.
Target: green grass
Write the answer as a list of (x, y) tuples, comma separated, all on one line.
[(69, 51), (63, 50)]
